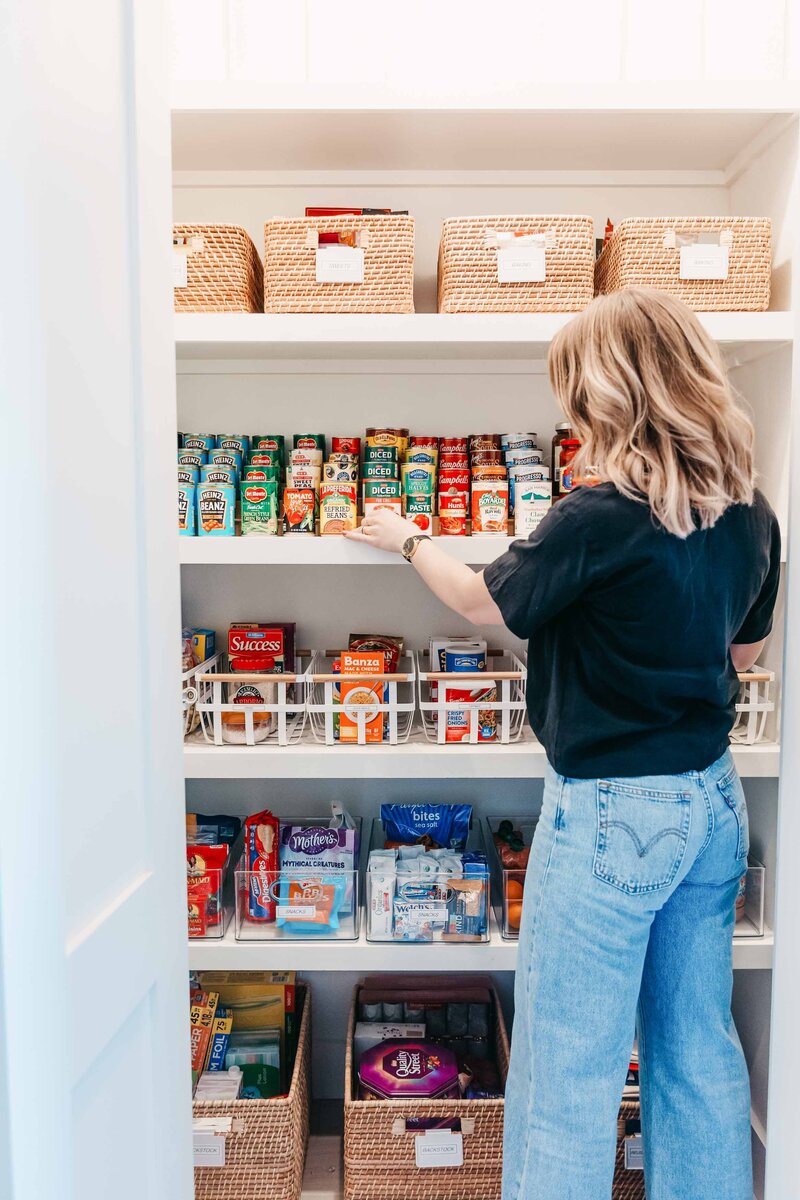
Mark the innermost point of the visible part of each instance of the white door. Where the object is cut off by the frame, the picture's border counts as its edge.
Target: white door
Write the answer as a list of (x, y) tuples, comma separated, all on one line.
[(93, 987)]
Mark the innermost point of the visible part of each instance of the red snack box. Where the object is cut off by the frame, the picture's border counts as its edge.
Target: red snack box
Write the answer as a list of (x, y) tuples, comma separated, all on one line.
[(274, 641)]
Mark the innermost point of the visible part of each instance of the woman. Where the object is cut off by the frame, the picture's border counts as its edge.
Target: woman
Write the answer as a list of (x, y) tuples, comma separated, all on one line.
[(640, 598)]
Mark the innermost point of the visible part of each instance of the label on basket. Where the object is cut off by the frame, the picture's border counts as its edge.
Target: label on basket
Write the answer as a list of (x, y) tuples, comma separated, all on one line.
[(208, 1149), (634, 1153), (179, 270), (296, 912), (340, 264), (703, 261), (520, 264), (438, 1148)]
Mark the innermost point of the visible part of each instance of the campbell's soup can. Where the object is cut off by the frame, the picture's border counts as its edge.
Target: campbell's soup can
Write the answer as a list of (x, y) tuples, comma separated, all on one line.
[(484, 441), (453, 445)]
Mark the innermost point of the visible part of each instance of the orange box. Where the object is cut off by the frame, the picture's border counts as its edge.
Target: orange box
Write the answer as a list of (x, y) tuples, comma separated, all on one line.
[(359, 696)]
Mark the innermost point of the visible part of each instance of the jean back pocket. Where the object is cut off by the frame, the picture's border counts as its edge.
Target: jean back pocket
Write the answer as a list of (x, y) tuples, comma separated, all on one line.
[(733, 795), (641, 835)]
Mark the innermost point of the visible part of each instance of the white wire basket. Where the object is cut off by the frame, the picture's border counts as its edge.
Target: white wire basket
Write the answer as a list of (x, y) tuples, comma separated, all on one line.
[(484, 720), (277, 720), (390, 695), (191, 690), (753, 706)]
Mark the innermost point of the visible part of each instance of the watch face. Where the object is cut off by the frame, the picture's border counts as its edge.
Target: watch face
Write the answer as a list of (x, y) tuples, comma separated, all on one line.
[(408, 547)]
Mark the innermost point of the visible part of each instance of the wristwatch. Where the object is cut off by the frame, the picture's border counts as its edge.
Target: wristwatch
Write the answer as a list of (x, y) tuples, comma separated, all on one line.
[(410, 545)]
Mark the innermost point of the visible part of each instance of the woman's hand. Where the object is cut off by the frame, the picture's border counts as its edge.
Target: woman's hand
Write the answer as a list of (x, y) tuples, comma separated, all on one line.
[(384, 529)]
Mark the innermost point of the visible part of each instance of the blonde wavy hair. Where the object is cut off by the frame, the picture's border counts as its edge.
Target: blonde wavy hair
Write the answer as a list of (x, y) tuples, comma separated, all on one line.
[(645, 389)]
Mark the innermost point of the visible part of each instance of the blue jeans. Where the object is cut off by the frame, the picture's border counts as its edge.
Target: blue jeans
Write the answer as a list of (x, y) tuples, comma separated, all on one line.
[(629, 901)]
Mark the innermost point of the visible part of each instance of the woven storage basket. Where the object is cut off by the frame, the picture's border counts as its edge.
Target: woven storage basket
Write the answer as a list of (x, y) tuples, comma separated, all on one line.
[(223, 270), (628, 1185), (379, 1163), (468, 268), (644, 253), (290, 266), (265, 1153)]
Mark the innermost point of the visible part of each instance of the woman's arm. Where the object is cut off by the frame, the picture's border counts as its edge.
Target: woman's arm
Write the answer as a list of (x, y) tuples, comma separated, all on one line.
[(456, 584), (744, 654)]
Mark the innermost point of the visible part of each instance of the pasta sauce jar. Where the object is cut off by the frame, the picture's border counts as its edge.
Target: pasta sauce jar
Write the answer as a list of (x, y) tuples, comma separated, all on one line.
[(569, 448)]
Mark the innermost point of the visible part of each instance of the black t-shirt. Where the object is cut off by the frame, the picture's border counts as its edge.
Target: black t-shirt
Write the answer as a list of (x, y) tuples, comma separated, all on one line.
[(629, 630)]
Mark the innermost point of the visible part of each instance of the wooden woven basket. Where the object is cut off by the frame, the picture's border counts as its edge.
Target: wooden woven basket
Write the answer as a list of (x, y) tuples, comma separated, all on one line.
[(265, 1153), (290, 271), (223, 270), (628, 1185), (468, 268), (645, 253), (379, 1154)]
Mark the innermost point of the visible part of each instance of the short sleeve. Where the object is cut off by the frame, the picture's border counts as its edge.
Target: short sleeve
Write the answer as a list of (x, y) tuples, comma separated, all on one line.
[(539, 577), (758, 622)]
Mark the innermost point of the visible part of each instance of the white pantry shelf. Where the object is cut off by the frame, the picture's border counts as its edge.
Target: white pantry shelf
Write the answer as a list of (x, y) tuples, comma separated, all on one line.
[(309, 551), (226, 954), (416, 759), (241, 126), (425, 336)]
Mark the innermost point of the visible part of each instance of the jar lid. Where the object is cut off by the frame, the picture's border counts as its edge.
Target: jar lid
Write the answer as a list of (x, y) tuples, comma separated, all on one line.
[(563, 425), (253, 664)]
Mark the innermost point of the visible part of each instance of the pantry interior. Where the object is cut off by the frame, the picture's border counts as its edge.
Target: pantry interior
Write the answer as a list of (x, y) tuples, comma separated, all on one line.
[(243, 153)]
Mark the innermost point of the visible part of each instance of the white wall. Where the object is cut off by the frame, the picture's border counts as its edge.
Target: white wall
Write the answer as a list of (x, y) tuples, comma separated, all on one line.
[(469, 42)]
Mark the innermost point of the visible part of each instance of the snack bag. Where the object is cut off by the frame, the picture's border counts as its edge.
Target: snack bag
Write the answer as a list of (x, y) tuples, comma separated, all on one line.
[(311, 904), (216, 508), (262, 832), (259, 508), (431, 825)]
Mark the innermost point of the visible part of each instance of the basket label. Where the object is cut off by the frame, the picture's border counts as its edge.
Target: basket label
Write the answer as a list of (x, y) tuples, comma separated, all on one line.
[(520, 264), (340, 264), (296, 912), (703, 261), (208, 1149), (634, 1153), (179, 270), (437, 1148)]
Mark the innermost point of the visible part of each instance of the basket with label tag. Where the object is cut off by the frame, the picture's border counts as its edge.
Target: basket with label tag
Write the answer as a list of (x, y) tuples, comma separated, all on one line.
[(713, 264), (425, 1143), (247, 1149), (339, 264), (216, 268), (516, 264)]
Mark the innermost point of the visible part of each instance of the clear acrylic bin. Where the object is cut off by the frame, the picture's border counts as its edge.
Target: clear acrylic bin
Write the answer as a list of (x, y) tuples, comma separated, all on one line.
[(299, 903), (488, 722), (209, 895), (426, 907), (508, 883), (391, 694), (279, 719), (750, 906)]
